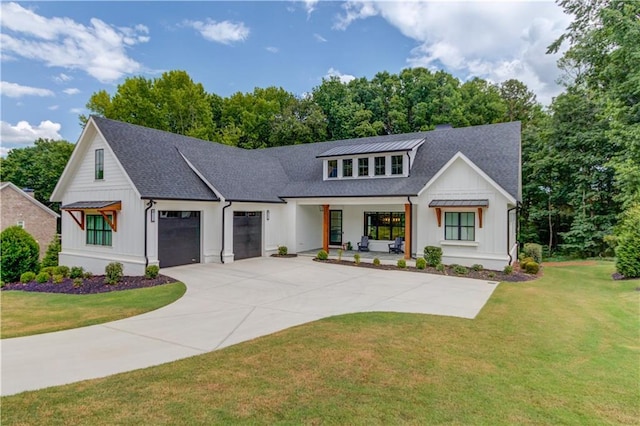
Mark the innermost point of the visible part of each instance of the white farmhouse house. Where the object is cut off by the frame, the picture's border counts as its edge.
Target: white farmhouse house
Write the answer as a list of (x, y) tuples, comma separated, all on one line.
[(142, 196)]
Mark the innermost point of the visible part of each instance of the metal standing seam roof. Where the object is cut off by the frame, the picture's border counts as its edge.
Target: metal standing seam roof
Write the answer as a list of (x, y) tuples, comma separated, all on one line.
[(369, 148), (85, 205), (459, 203)]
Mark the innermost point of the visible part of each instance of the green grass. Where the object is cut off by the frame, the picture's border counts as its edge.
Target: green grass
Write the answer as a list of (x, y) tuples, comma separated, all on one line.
[(27, 313), (560, 350)]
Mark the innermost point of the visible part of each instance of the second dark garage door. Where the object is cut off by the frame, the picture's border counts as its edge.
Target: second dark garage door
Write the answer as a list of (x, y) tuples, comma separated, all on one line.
[(178, 238), (247, 234)]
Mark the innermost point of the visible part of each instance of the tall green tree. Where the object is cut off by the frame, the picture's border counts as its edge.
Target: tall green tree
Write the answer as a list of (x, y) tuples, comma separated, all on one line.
[(38, 167)]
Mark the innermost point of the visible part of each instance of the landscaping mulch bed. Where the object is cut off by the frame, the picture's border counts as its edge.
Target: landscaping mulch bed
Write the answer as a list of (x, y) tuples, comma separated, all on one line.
[(91, 285), (284, 255), (485, 275)]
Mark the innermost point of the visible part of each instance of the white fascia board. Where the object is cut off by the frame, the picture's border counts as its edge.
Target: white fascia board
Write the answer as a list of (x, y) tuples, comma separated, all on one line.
[(461, 156)]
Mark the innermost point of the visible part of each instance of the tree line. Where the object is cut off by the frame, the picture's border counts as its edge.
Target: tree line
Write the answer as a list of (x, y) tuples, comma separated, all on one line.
[(581, 155)]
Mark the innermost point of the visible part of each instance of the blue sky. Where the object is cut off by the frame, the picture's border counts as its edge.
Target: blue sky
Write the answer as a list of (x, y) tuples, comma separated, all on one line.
[(56, 54)]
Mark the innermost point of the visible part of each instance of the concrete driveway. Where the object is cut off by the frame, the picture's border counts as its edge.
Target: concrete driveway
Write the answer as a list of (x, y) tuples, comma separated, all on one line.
[(225, 305)]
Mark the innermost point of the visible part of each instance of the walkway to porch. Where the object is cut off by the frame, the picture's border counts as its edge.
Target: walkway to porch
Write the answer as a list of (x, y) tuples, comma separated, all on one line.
[(365, 256)]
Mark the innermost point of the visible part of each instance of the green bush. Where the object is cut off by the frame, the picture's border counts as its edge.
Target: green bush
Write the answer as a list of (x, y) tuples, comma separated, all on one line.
[(534, 251), (402, 263), (42, 277), (283, 250), (525, 261), (53, 249), (532, 268), (459, 270), (349, 246), (20, 254), (356, 258), (421, 263), (477, 267), (322, 255), (113, 273), (151, 271), (628, 249), (57, 278), (433, 255), (49, 270), (76, 272), (27, 277), (440, 267), (77, 282), (88, 275), (508, 270), (491, 275), (376, 261), (61, 270)]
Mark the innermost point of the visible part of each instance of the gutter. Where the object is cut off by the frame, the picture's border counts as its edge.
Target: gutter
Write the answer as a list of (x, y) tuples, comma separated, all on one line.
[(409, 165), (146, 257), (508, 241), (410, 223), (222, 248)]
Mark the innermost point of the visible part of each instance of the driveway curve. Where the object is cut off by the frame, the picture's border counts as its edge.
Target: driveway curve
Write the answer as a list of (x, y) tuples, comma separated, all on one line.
[(229, 304)]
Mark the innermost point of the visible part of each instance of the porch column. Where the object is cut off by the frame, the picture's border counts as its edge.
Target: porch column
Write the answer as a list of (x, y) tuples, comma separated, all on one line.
[(407, 231), (325, 227)]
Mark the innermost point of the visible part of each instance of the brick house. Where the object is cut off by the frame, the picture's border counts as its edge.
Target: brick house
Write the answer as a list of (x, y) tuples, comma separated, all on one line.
[(18, 207)]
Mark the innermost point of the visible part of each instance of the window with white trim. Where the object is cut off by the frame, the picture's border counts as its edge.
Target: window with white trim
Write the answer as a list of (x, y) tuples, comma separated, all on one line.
[(396, 164), (380, 166), (347, 167), (460, 226), (363, 166), (332, 168), (99, 164)]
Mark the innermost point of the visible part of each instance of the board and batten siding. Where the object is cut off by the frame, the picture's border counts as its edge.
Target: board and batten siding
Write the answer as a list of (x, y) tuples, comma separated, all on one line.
[(128, 242), (461, 182)]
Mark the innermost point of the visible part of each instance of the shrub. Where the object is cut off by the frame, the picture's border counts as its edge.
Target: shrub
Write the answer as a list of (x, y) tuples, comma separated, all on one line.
[(88, 275), (42, 277), (77, 282), (433, 255), (525, 261), (421, 263), (283, 250), (113, 273), (477, 267), (376, 261), (76, 272), (534, 251), (402, 263), (20, 253), (49, 270), (356, 258), (460, 270), (61, 270), (57, 278), (340, 254), (628, 249), (508, 269), (491, 275), (151, 272), (532, 268), (27, 277), (53, 249), (440, 267), (349, 246), (322, 255)]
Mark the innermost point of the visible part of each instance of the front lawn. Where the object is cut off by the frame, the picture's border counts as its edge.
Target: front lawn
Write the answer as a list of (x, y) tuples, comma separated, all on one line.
[(559, 350), (26, 313)]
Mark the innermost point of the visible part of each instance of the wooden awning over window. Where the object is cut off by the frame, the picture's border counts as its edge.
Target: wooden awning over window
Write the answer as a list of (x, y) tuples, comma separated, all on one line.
[(438, 204), (108, 210)]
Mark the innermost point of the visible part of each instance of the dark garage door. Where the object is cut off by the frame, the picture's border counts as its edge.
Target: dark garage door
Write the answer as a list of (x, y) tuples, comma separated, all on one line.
[(178, 238), (247, 234)]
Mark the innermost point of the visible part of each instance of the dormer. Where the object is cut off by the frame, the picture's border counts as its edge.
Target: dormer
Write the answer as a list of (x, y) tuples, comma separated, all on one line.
[(370, 161)]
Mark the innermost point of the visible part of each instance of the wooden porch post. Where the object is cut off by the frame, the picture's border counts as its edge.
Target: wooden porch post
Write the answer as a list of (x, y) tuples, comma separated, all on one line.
[(325, 227), (407, 231)]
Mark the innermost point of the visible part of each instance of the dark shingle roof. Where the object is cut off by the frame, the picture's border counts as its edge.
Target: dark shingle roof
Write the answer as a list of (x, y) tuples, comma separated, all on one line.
[(155, 161)]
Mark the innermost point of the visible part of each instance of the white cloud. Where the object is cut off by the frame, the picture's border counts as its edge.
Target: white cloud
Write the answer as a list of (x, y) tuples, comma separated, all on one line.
[(76, 110), (344, 78), (97, 49), (71, 91), (62, 78), (496, 41), (319, 38), (225, 32), (13, 90), (310, 6), (53, 107), (272, 49), (24, 133)]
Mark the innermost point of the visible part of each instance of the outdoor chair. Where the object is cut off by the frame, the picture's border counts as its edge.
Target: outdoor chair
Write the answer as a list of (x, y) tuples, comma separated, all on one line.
[(363, 245), (396, 246)]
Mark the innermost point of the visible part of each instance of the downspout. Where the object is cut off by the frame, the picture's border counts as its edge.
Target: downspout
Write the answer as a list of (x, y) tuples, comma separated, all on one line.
[(222, 248), (410, 223), (508, 235), (409, 165), (146, 211)]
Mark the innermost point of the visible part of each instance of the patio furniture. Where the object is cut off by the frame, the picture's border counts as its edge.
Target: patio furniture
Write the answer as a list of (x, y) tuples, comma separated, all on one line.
[(396, 246), (363, 245)]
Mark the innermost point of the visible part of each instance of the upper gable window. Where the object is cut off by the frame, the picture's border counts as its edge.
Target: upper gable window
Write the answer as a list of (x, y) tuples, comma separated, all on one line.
[(363, 166), (99, 164), (396, 164), (332, 168), (380, 166), (347, 167)]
